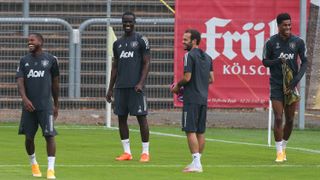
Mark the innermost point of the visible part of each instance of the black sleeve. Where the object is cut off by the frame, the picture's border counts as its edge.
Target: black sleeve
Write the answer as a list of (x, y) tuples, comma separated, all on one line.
[(114, 49), (20, 70), (188, 63), (55, 67), (145, 47), (304, 63), (267, 55)]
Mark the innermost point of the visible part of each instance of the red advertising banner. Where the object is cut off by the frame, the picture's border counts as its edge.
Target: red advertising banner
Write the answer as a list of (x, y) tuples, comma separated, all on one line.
[(233, 33)]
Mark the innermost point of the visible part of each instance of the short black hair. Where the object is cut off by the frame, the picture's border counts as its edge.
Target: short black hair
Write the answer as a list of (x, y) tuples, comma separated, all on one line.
[(129, 13), (282, 17), (194, 35), (39, 36)]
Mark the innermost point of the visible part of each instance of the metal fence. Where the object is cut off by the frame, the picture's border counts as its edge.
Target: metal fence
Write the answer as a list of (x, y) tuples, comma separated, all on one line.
[(82, 89)]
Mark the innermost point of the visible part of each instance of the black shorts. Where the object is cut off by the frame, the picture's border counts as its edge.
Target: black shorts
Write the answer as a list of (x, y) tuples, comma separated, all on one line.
[(276, 93), (127, 100), (194, 118), (30, 122)]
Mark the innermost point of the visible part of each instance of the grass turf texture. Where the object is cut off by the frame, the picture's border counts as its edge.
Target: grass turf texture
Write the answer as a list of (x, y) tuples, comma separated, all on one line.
[(88, 152)]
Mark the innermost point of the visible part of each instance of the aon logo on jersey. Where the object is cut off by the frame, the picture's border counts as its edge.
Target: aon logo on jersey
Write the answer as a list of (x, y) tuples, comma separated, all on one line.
[(286, 56), (35, 74), (125, 54)]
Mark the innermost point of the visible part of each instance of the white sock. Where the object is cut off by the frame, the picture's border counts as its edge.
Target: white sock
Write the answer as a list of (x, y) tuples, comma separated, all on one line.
[(51, 160), (33, 159), (284, 144), (145, 147), (279, 146), (126, 146), (196, 159)]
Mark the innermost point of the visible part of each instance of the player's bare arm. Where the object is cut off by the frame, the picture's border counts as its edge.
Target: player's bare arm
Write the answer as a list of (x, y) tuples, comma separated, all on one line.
[(55, 95), (186, 78), (144, 73), (26, 102), (113, 78)]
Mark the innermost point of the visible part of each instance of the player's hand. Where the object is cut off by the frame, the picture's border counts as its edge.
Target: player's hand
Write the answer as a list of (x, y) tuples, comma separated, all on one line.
[(286, 91), (138, 88), (175, 89), (283, 59), (109, 96), (28, 105), (55, 112)]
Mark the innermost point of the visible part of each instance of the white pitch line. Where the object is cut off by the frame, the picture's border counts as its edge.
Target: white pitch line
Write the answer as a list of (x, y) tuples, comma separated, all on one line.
[(169, 166), (180, 136)]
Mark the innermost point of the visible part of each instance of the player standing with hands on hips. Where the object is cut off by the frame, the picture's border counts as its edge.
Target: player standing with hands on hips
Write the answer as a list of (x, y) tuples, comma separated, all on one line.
[(38, 84), (198, 73), (282, 50), (130, 68)]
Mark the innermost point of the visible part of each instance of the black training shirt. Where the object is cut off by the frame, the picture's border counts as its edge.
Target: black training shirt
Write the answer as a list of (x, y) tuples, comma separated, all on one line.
[(290, 48), (129, 52), (38, 73), (199, 64)]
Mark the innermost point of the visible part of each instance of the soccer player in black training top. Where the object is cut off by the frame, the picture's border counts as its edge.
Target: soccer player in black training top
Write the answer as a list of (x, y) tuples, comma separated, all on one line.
[(38, 84), (130, 68), (283, 48), (198, 73)]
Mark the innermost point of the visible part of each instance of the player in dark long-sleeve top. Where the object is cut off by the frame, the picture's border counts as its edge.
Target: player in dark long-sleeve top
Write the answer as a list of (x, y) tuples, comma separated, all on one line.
[(283, 48)]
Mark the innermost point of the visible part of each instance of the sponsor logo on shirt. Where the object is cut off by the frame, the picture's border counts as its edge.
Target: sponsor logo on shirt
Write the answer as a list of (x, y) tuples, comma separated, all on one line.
[(126, 54), (286, 55), (35, 74)]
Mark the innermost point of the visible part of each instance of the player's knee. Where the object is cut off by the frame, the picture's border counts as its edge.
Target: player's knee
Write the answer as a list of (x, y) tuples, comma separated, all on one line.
[(29, 139)]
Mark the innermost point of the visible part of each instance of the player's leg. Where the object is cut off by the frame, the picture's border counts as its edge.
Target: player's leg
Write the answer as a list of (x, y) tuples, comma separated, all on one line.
[(47, 125), (124, 136), (138, 107), (144, 132), (289, 114), (189, 125), (121, 109), (51, 152), (278, 129), (201, 128), (29, 126)]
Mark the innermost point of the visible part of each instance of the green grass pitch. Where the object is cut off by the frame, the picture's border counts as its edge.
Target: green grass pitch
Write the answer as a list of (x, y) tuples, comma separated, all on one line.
[(88, 152)]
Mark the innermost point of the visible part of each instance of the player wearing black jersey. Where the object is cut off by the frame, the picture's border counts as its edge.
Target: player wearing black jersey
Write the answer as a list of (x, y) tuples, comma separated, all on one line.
[(130, 68), (38, 84), (198, 73), (279, 49)]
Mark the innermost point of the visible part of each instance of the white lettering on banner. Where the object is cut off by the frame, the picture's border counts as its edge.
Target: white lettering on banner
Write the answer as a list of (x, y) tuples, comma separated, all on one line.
[(35, 74), (251, 70), (125, 54), (229, 38)]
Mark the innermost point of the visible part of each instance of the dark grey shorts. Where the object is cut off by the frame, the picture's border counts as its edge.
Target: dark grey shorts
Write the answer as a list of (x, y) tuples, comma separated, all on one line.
[(276, 93), (30, 122), (194, 118), (127, 100)]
